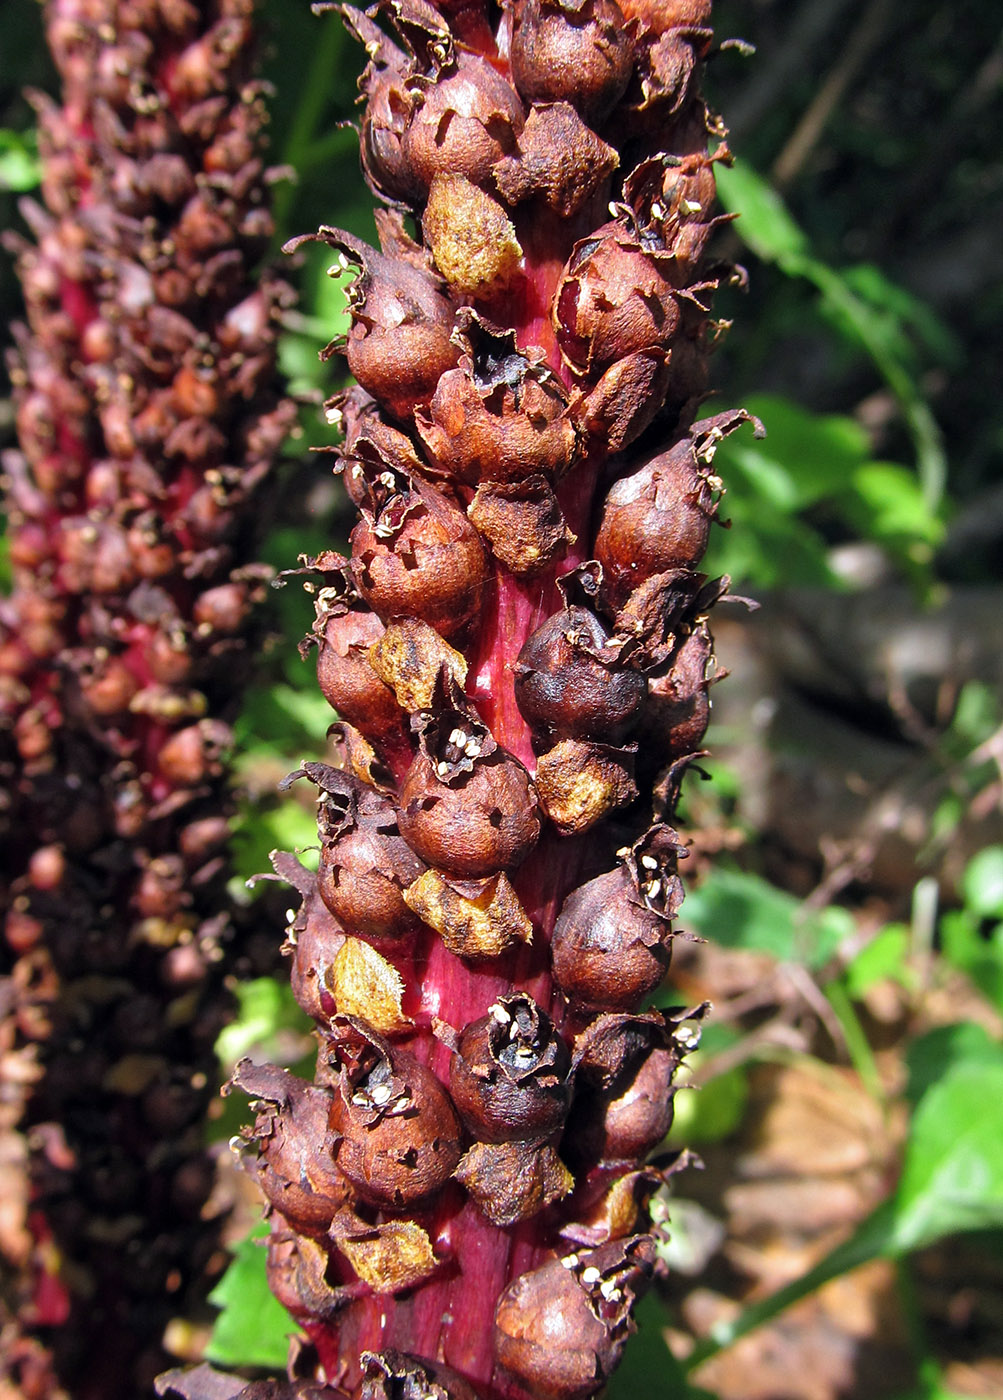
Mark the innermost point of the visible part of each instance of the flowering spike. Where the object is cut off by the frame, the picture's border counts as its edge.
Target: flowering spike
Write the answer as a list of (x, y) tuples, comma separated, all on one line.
[(534, 499)]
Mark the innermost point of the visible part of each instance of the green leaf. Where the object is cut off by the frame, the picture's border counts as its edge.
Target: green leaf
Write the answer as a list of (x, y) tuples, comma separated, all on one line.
[(765, 224), (981, 959), (886, 504), (952, 1177), (648, 1367), (874, 326), (982, 883), (253, 1328), (284, 827), (266, 1008), (712, 1112), (883, 959), (284, 718), (809, 455), (20, 167), (874, 287), (740, 910), (934, 1054)]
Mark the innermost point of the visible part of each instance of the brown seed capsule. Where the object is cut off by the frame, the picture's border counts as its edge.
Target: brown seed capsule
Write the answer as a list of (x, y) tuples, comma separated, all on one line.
[(561, 161), (636, 1120), (313, 939), (194, 753), (161, 888), (202, 838), (107, 685), (419, 556), (486, 823), (344, 673), (561, 1329), (294, 1168), (677, 708), (655, 519), (399, 342), (386, 113), (499, 416), (513, 1181), (365, 865), (464, 122), (609, 951), (509, 1077), (615, 298), (399, 1136), (567, 684), (222, 609), (624, 1068), (661, 15), (579, 53)]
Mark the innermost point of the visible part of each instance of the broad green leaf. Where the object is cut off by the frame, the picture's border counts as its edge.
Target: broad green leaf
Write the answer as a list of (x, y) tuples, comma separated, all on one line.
[(982, 883), (887, 505), (873, 286), (875, 327), (284, 718), (253, 1328), (951, 1182), (963, 946), (769, 547), (266, 1008), (739, 910), (20, 167), (884, 958), (952, 1177), (713, 1111), (931, 1055), (284, 827), (810, 455)]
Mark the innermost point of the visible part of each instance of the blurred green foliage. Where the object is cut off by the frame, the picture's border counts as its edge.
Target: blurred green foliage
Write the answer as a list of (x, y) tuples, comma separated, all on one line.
[(252, 1329)]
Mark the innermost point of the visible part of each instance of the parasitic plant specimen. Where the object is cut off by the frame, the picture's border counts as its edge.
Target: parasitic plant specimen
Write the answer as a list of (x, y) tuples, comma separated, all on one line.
[(518, 654), (149, 423)]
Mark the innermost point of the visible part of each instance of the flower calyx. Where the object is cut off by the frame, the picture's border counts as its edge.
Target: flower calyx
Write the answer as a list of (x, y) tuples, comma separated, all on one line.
[(394, 1375), (561, 1329), (510, 1075), (294, 1167), (501, 415), (399, 1137)]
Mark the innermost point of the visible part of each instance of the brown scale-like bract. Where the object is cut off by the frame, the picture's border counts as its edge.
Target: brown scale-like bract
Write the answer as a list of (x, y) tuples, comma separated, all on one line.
[(535, 489)]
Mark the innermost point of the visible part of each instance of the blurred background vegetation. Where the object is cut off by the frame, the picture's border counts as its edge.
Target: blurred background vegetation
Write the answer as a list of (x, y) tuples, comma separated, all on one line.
[(844, 1238)]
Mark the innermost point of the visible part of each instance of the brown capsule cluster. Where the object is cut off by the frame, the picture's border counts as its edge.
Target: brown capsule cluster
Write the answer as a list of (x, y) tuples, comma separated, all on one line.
[(518, 649), (149, 420)]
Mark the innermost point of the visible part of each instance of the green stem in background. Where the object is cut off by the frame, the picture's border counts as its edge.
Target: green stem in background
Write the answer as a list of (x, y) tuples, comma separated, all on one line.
[(767, 227), (860, 1052), (867, 1243), (299, 150)]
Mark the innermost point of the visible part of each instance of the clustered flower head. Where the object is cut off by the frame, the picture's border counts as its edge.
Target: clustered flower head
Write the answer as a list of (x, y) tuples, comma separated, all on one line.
[(517, 649), (149, 423)]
